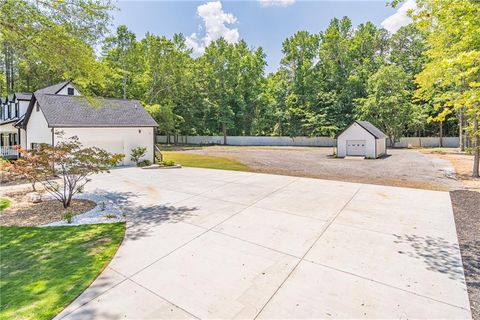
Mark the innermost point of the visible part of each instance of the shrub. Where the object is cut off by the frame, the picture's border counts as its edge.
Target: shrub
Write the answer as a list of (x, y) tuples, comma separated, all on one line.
[(144, 163), (4, 203), (168, 163), (137, 154), (68, 216)]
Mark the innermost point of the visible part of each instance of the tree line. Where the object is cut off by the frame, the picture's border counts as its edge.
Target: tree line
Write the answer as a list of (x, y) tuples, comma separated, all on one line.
[(422, 80)]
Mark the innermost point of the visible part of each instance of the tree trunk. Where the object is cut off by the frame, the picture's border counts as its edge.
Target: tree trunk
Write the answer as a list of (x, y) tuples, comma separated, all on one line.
[(460, 130), (441, 134), (224, 129), (476, 147)]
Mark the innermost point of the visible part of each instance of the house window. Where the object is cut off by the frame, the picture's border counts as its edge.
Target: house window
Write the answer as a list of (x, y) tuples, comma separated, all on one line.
[(9, 108), (37, 107), (16, 110), (70, 91)]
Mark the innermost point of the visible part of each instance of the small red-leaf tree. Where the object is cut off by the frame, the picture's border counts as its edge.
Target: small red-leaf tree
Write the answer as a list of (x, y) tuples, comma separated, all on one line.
[(64, 169), (27, 167)]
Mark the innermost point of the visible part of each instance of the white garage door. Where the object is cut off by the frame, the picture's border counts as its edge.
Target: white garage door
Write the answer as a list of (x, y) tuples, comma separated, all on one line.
[(110, 146), (356, 147)]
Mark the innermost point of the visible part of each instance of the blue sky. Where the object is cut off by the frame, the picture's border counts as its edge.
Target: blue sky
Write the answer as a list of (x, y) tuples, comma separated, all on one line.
[(263, 23)]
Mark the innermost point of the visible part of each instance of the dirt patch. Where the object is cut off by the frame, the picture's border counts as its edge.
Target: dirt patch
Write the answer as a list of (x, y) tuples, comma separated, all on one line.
[(462, 163), (23, 213), (402, 168), (466, 208)]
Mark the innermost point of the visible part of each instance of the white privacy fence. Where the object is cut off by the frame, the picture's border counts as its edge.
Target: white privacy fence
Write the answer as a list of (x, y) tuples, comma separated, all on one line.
[(414, 142)]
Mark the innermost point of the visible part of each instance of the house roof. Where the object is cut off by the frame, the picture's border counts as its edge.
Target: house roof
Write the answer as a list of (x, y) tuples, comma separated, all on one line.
[(81, 111), (377, 133), (54, 88), (23, 96)]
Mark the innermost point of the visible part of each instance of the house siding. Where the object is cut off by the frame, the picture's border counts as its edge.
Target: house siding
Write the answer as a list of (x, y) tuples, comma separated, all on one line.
[(37, 129), (64, 90), (115, 139)]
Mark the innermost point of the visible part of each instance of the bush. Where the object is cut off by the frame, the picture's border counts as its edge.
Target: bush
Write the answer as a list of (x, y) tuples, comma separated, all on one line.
[(144, 163), (68, 216), (168, 163), (4, 203), (137, 154)]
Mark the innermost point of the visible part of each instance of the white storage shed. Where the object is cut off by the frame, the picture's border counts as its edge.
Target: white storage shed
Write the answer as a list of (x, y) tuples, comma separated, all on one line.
[(362, 138)]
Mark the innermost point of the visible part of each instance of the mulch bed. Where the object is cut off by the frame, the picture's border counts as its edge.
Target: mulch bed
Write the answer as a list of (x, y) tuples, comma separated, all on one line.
[(23, 213), (466, 208)]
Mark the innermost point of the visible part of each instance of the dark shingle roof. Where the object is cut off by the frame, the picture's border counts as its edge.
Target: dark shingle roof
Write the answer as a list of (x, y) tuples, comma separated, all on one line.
[(80, 111), (53, 89), (377, 133), (23, 96)]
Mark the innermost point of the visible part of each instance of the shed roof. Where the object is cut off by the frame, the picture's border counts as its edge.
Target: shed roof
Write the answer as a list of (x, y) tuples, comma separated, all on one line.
[(367, 126), (377, 133)]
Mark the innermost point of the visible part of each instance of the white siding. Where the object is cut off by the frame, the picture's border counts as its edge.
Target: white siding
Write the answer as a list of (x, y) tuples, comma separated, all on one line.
[(37, 129), (381, 147), (23, 139), (115, 140), (64, 91), (356, 132)]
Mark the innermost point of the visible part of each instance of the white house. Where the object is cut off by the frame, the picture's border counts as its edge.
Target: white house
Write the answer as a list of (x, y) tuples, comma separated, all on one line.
[(116, 125), (361, 138)]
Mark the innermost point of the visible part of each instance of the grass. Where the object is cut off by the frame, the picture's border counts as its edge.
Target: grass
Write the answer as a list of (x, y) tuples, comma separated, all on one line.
[(43, 269), (4, 203), (202, 161)]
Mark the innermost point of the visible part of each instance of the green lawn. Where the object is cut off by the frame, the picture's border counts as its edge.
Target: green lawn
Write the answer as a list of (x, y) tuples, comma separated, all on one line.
[(43, 269), (201, 161)]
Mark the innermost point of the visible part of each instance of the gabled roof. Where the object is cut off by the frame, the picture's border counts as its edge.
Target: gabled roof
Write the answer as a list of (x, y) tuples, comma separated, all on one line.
[(80, 111), (23, 96), (54, 88), (367, 126), (377, 133)]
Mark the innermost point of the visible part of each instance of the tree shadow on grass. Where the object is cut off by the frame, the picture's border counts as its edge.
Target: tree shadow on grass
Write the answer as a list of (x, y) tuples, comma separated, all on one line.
[(438, 254)]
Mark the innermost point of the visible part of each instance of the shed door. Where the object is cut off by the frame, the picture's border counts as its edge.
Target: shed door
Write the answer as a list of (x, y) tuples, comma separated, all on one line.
[(356, 147)]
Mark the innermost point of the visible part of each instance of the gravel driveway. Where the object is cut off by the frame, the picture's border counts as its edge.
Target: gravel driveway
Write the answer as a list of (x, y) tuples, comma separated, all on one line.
[(221, 244), (403, 167)]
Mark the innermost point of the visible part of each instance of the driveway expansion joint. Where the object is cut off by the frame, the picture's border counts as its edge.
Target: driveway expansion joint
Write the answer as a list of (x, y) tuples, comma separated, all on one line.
[(324, 229)]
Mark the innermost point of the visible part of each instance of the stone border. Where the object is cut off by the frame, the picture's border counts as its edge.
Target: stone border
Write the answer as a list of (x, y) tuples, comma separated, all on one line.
[(96, 215)]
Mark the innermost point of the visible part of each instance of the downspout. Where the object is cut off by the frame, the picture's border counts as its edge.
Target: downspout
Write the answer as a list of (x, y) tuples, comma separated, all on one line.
[(19, 141), (154, 140), (53, 137)]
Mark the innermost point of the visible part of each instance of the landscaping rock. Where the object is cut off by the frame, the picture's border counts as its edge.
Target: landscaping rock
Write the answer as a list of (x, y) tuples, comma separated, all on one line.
[(33, 197)]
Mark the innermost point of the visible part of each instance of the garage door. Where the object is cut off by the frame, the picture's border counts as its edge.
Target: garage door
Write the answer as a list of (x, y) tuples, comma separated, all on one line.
[(356, 147)]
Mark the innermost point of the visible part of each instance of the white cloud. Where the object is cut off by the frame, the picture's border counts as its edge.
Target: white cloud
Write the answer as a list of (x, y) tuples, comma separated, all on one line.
[(215, 21), (278, 3), (399, 18)]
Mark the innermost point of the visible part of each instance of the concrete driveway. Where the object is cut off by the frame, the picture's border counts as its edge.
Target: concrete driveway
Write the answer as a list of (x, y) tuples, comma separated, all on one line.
[(220, 244)]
